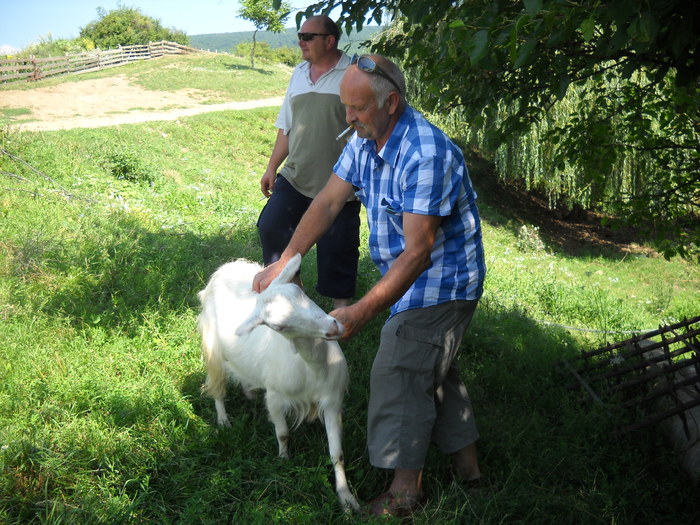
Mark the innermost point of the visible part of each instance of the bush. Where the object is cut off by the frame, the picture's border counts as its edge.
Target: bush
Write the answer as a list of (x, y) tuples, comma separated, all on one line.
[(126, 165), (126, 27), (290, 56), (47, 47)]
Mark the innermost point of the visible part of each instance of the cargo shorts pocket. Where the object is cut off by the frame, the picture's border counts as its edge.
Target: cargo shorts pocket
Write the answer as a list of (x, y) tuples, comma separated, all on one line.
[(419, 348)]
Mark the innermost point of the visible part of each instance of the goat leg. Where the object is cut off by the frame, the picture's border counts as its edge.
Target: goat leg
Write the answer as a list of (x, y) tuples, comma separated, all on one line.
[(334, 430), (277, 412)]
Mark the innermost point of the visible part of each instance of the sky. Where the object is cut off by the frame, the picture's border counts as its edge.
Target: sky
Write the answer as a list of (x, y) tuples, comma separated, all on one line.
[(23, 22)]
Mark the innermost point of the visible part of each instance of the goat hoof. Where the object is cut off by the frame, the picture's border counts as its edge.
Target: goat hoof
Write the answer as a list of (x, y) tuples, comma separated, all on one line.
[(224, 422), (349, 505)]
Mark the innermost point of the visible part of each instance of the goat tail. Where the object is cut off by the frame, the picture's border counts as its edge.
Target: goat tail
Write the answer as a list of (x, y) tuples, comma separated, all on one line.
[(215, 383)]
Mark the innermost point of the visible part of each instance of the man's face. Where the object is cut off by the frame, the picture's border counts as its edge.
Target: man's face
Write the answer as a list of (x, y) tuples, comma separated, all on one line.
[(312, 50), (361, 109)]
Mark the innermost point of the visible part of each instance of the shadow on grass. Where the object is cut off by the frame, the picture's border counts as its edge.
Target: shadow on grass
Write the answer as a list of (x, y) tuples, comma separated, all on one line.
[(239, 67), (545, 457), (577, 234), (142, 272)]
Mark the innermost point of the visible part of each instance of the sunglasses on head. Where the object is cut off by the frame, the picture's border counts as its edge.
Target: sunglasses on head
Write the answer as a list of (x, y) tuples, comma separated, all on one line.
[(368, 65), (306, 37)]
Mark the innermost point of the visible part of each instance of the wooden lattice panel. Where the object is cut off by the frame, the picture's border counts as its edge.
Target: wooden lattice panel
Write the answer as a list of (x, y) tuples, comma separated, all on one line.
[(646, 379)]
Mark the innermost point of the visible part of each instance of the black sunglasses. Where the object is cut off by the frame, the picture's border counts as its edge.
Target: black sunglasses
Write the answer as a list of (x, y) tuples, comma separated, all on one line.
[(306, 37), (366, 64)]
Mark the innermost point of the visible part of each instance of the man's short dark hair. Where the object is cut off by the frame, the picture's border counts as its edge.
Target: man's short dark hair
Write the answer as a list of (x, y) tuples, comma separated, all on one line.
[(329, 26)]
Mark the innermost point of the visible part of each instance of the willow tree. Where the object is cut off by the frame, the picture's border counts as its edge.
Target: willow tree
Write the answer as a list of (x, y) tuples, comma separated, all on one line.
[(621, 77), (264, 16)]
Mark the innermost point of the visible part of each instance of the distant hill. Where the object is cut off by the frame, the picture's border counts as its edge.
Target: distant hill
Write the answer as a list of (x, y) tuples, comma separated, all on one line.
[(227, 41)]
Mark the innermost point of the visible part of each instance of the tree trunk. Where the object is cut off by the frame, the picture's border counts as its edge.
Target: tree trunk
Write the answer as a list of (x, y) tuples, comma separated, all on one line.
[(252, 51)]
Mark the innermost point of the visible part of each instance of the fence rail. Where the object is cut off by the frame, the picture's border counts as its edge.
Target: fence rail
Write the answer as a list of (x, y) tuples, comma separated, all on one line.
[(31, 69)]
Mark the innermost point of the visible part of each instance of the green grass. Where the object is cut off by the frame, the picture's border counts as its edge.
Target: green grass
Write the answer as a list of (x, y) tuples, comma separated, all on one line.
[(7, 115), (101, 416), (228, 76)]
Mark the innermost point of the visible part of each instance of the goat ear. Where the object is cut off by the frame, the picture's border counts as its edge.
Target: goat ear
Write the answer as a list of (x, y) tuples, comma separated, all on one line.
[(249, 325), (289, 271)]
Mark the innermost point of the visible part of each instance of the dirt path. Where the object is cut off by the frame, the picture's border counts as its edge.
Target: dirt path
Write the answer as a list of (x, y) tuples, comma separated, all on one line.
[(110, 102)]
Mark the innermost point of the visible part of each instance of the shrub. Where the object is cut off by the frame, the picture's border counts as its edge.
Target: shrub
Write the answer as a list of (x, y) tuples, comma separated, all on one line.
[(290, 56), (128, 26), (47, 47), (125, 164)]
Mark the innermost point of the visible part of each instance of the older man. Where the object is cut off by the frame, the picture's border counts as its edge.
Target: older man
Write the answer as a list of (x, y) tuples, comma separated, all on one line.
[(425, 238), (308, 122)]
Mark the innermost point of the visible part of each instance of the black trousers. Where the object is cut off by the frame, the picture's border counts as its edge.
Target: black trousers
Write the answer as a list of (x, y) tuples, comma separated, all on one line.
[(337, 251)]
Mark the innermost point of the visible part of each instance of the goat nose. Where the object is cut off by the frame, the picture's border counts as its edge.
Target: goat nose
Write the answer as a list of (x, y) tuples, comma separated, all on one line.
[(336, 330)]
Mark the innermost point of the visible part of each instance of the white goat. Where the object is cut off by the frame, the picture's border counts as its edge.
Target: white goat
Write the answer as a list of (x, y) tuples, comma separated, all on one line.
[(279, 341)]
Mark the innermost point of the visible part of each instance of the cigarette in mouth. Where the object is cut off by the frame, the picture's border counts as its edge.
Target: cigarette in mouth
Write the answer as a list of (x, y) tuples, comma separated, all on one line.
[(348, 130)]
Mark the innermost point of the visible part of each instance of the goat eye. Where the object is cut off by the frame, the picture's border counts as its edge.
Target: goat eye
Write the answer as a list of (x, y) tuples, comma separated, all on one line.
[(277, 327)]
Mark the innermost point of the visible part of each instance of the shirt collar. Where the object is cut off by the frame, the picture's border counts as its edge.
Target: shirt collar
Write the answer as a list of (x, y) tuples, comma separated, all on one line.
[(342, 64)]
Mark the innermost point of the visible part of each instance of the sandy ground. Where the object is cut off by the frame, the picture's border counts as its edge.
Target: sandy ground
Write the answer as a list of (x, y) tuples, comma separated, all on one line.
[(109, 102)]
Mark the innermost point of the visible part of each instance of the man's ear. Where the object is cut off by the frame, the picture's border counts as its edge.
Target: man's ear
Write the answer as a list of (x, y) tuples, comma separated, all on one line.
[(393, 101)]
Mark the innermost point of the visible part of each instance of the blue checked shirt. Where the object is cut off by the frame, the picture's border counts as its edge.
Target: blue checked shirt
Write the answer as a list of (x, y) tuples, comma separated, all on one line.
[(419, 170)]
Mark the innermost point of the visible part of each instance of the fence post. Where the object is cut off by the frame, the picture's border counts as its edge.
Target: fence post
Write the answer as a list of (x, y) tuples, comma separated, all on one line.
[(36, 71)]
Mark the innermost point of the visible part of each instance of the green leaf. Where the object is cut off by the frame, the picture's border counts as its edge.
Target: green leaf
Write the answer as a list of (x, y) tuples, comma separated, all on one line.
[(513, 45), (532, 6), (524, 52), (587, 28), (522, 22), (479, 45), (562, 85), (456, 23)]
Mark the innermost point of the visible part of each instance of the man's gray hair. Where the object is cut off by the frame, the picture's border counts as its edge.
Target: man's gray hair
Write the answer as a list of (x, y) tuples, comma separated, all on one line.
[(382, 87)]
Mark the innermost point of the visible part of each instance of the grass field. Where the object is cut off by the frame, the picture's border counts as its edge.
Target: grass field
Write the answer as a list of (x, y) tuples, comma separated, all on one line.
[(104, 242)]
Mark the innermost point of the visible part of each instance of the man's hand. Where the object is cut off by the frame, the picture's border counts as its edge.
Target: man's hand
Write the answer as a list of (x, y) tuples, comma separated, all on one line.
[(353, 318), (267, 183), (265, 276)]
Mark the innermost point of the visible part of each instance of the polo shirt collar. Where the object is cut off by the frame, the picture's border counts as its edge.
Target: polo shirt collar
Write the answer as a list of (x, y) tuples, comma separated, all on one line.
[(342, 64)]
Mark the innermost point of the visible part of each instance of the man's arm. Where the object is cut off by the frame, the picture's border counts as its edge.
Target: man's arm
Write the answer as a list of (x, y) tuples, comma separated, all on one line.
[(419, 231), (316, 221), (280, 151)]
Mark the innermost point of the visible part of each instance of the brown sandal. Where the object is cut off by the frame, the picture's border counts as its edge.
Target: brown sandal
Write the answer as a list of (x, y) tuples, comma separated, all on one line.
[(389, 505)]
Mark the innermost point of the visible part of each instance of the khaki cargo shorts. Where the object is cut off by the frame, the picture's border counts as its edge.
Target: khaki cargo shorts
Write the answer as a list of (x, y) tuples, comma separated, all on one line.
[(416, 396)]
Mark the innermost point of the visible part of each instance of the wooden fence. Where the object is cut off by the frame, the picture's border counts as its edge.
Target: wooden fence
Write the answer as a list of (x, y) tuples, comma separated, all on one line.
[(30, 69), (630, 378)]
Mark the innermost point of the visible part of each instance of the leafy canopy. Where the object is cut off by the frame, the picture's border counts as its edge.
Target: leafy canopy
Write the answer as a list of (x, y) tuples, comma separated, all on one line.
[(627, 70), (264, 16)]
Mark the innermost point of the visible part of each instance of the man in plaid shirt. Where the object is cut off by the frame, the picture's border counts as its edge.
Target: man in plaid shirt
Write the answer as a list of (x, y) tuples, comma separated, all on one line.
[(425, 238)]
